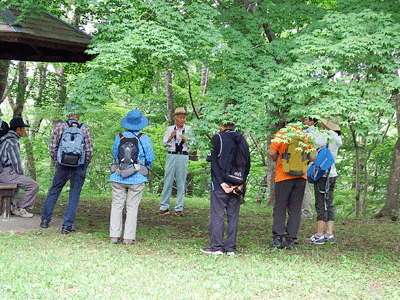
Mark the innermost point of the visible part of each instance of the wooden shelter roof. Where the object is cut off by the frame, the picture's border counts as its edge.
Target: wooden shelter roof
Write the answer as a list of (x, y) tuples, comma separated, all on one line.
[(45, 38)]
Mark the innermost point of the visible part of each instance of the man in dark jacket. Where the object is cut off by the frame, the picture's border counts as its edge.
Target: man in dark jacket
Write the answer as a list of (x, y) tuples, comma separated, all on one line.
[(224, 195)]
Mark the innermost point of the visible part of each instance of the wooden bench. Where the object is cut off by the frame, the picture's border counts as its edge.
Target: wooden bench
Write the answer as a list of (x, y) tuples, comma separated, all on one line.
[(7, 190)]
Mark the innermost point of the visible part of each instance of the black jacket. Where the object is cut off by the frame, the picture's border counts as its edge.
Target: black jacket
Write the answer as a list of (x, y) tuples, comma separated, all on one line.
[(222, 144)]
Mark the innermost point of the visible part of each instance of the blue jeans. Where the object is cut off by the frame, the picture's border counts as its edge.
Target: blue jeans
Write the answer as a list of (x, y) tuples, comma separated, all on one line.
[(63, 174)]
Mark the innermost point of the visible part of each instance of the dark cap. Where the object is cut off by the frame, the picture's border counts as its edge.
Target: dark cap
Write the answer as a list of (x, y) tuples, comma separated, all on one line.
[(17, 122)]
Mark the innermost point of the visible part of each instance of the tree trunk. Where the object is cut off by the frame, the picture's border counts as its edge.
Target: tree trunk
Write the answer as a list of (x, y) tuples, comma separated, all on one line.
[(4, 67), (61, 98), (358, 172), (391, 208), (204, 78), (170, 99), (271, 166), (21, 92), (30, 158)]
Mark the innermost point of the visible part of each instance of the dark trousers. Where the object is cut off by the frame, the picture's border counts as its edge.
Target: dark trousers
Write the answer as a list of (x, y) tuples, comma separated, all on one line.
[(324, 205), (288, 196), (221, 202), (63, 174)]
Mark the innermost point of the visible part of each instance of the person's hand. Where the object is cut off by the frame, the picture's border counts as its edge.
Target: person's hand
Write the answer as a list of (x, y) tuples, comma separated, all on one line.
[(173, 133), (184, 138), (227, 189), (239, 187)]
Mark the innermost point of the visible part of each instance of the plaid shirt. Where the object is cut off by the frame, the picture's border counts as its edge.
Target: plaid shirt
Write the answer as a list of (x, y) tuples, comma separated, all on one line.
[(56, 138), (10, 152)]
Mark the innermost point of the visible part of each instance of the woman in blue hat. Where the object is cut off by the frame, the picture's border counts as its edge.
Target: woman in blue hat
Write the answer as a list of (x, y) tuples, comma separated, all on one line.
[(129, 177)]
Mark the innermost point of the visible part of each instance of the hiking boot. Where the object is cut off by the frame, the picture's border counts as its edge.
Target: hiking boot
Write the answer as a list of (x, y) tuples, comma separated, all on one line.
[(276, 243), (289, 243), (67, 229), (179, 214), (329, 238), (162, 212), (209, 251), (304, 217), (114, 240), (21, 212), (44, 224), (317, 239), (129, 242)]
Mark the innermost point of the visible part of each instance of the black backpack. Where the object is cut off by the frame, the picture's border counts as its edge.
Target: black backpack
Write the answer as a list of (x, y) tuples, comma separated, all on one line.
[(128, 150), (4, 128), (235, 172)]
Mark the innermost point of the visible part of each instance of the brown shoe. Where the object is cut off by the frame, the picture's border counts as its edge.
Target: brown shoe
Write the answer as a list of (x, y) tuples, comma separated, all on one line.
[(179, 214), (114, 240), (162, 212)]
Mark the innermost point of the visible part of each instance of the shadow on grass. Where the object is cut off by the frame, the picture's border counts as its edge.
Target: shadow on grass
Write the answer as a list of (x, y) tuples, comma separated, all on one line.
[(366, 239)]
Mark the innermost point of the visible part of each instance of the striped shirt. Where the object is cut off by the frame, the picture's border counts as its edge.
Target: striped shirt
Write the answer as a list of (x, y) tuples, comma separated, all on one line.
[(10, 152), (56, 138)]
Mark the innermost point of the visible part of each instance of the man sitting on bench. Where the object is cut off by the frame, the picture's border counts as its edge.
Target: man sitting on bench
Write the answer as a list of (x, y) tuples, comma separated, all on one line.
[(10, 158)]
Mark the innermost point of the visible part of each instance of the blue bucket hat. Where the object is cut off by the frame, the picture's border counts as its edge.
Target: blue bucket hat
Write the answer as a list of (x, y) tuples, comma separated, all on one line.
[(134, 120)]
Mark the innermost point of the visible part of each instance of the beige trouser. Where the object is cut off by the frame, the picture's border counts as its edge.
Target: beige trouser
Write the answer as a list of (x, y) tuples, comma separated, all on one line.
[(306, 208), (132, 194), (30, 187)]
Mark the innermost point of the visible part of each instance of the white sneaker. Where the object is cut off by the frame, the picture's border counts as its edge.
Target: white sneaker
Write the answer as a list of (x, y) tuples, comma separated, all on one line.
[(209, 251), (22, 213), (230, 253), (317, 239)]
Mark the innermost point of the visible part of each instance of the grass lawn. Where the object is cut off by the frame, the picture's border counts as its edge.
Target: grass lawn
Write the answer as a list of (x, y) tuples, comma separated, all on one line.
[(166, 263)]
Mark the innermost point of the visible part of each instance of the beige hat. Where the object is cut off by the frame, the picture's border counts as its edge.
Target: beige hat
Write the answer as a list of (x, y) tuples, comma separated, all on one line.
[(332, 124), (180, 111)]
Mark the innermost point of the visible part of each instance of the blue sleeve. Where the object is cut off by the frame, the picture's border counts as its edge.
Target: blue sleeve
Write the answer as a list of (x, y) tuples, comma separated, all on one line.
[(115, 148), (148, 149)]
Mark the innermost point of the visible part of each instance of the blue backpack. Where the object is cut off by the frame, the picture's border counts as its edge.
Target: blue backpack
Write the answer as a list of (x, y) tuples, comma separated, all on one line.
[(71, 151), (322, 163)]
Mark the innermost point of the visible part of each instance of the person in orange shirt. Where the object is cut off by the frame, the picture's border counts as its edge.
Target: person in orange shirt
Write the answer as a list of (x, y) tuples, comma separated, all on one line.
[(289, 190)]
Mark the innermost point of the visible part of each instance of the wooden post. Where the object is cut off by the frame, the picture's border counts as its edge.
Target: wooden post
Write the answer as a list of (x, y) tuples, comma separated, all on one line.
[(6, 192)]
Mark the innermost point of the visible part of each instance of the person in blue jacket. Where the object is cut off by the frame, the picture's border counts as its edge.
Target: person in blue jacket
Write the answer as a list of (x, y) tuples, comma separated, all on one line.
[(129, 190)]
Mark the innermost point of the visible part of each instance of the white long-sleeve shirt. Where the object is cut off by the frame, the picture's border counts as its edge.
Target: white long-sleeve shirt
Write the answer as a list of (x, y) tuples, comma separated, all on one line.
[(335, 141), (177, 138)]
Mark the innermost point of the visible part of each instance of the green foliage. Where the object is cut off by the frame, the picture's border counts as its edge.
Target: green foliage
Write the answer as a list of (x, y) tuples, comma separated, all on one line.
[(267, 60)]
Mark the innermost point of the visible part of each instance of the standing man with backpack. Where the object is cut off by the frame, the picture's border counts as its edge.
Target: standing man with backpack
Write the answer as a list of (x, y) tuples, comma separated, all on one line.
[(323, 188), (71, 147), (10, 159), (290, 181), (176, 166), (132, 150), (230, 165)]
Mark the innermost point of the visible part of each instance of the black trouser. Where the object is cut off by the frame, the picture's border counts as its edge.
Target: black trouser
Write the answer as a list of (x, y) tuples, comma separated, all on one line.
[(324, 205), (288, 196), (220, 201)]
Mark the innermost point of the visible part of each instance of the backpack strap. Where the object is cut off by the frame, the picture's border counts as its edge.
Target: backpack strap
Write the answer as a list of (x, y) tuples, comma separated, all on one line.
[(70, 124)]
